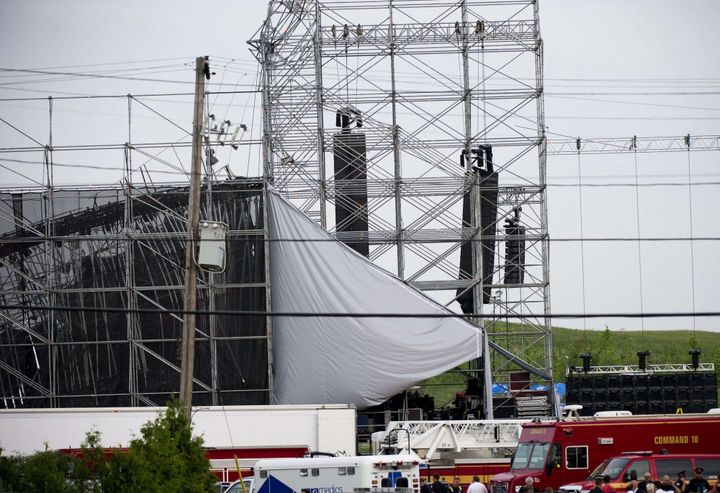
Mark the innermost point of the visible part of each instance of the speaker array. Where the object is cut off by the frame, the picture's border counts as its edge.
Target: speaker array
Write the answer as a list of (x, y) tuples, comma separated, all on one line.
[(643, 393)]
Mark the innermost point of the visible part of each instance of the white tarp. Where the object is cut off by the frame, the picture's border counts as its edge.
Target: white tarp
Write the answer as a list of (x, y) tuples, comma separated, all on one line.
[(361, 361)]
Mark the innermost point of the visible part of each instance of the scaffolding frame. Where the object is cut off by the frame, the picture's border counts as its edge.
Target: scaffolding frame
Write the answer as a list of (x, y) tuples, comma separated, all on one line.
[(92, 290), (91, 280), (389, 61)]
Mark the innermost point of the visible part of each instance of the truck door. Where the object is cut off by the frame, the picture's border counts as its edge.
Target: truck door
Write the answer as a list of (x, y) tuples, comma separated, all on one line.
[(554, 459), (394, 479), (672, 466), (636, 470)]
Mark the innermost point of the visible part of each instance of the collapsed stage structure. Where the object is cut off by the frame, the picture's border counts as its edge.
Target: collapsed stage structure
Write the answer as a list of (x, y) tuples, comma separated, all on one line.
[(432, 115), (94, 277), (92, 296)]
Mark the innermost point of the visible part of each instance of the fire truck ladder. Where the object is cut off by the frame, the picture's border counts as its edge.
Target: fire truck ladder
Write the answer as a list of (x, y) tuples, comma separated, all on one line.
[(428, 437)]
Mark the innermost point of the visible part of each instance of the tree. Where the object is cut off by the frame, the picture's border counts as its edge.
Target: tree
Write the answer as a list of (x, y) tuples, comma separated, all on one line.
[(10, 472), (46, 471), (166, 458), (607, 351)]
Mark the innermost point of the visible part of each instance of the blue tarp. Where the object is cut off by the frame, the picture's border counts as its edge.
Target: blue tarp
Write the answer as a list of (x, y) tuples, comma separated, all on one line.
[(498, 389)]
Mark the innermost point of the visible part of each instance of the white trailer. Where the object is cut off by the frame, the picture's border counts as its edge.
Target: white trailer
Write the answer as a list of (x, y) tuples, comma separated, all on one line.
[(326, 428), (368, 474)]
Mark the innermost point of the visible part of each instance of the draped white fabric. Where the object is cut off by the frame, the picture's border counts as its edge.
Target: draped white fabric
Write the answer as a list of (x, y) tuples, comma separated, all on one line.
[(361, 361)]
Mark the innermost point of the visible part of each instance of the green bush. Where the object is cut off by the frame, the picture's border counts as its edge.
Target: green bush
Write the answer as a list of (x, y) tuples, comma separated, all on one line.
[(165, 459), (47, 471)]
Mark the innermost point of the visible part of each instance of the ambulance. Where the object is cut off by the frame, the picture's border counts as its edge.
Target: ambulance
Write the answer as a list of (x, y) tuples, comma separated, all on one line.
[(361, 474)]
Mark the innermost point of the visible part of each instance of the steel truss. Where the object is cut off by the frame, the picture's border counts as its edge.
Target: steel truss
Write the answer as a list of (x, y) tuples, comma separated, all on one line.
[(430, 79), (431, 439), (620, 145), (91, 278), (650, 369)]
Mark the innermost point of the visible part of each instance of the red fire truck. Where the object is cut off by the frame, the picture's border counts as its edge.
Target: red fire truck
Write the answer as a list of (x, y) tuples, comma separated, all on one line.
[(555, 453), (465, 469), (633, 466)]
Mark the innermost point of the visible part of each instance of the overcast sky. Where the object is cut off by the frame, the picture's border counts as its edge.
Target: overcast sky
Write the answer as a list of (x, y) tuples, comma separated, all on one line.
[(613, 68)]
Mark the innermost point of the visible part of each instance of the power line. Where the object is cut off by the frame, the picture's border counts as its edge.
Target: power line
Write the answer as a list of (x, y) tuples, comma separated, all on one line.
[(254, 236), (636, 93), (549, 184), (188, 61), (638, 103), (83, 75), (149, 69), (264, 313), (130, 62), (80, 75), (253, 62), (141, 95), (635, 118)]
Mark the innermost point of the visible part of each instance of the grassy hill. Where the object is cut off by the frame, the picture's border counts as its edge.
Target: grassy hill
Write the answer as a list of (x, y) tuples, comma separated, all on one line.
[(620, 347), (608, 347)]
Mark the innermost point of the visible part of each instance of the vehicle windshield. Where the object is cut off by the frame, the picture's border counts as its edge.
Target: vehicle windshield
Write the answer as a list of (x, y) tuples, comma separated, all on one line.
[(530, 455), (611, 467), (237, 487)]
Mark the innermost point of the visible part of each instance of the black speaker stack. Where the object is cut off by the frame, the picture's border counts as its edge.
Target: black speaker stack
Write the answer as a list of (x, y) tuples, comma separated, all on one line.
[(643, 392)]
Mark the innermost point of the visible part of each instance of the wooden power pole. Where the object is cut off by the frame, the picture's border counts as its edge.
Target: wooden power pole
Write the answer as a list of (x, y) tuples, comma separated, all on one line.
[(188, 339)]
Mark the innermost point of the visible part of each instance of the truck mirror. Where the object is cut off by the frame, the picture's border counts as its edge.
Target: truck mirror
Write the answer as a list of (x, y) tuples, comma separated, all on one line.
[(626, 477)]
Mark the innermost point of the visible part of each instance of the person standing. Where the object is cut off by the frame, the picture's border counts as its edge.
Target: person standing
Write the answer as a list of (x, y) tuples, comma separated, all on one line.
[(530, 483), (438, 486), (667, 486), (424, 486), (680, 483), (598, 485), (698, 484), (607, 487), (456, 488), (642, 485), (476, 486)]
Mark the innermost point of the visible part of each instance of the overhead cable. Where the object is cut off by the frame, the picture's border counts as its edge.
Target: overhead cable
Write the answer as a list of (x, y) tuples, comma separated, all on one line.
[(263, 313)]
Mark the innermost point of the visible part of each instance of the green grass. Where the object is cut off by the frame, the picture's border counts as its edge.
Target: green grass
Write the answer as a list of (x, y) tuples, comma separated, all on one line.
[(620, 347), (608, 347)]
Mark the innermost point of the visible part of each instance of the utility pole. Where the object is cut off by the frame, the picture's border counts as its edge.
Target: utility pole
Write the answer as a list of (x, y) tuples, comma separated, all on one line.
[(202, 71)]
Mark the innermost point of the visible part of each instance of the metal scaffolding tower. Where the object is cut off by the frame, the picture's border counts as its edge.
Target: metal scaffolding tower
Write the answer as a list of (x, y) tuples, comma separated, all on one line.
[(427, 86), (91, 280)]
